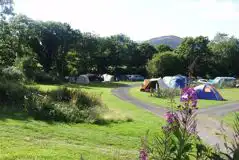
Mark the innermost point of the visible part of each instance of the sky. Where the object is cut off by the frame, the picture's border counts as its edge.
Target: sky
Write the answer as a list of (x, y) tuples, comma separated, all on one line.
[(139, 19)]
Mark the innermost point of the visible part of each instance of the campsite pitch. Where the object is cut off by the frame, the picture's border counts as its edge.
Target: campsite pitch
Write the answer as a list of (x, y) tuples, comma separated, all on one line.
[(25, 138)]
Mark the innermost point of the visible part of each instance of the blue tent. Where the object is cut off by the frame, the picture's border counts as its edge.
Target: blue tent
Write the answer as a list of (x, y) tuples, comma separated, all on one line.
[(177, 81), (206, 91)]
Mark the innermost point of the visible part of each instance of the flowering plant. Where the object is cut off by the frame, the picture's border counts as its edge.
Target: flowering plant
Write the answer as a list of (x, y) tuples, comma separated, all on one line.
[(179, 133)]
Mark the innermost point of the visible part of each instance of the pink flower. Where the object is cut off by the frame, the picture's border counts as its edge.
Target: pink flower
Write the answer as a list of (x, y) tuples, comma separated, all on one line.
[(170, 117), (189, 95), (143, 155)]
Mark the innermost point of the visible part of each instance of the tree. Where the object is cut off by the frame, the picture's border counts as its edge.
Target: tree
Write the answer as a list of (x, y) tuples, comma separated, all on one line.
[(75, 65), (163, 48), (195, 51), (225, 51), (6, 7), (7, 39), (165, 64)]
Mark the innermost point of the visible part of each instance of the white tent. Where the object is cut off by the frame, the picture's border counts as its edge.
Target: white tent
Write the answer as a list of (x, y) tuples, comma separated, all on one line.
[(108, 78), (160, 83), (82, 79)]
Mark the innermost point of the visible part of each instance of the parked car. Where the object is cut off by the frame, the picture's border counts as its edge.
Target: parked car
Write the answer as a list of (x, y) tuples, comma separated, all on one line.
[(135, 77)]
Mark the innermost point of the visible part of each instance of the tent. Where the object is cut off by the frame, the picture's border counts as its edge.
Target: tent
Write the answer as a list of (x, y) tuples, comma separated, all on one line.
[(177, 81), (207, 91), (144, 86), (153, 83), (108, 78), (94, 77), (82, 79), (223, 81)]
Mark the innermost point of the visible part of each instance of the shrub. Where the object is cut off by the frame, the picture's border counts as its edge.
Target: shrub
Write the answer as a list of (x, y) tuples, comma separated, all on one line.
[(179, 134), (65, 105), (12, 73), (166, 93), (12, 93)]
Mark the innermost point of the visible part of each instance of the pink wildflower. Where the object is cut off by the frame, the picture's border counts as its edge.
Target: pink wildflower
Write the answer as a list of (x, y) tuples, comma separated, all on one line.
[(143, 155)]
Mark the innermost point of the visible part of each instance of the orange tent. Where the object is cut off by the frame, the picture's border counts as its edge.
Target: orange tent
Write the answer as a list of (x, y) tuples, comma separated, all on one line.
[(144, 85)]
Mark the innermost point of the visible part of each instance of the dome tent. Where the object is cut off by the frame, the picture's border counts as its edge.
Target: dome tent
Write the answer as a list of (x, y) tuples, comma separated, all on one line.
[(177, 81), (153, 83), (82, 79), (207, 91)]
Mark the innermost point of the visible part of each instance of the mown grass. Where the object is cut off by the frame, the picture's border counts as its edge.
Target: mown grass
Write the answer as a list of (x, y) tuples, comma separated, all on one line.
[(229, 119), (25, 138), (229, 94)]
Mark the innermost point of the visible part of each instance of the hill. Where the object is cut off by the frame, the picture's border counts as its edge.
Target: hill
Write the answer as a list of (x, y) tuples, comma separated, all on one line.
[(172, 41)]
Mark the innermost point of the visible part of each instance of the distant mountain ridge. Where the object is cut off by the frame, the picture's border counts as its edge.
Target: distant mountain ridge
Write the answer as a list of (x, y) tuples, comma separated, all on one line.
[(172, 41)]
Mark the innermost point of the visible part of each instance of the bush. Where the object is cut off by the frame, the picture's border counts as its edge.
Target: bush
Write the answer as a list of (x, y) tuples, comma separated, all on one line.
[(166, 93), (65, 105), (12, 93), (12, 73)]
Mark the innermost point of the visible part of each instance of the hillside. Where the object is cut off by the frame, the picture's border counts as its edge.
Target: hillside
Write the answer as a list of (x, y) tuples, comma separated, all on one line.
[(172, 41)]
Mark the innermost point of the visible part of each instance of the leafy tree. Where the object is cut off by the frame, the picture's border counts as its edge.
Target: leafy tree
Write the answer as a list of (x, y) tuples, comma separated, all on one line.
[(195, 54), (226, 55), (6, 7), (7, 40), (75, 65), (165, 64), (163, 48)]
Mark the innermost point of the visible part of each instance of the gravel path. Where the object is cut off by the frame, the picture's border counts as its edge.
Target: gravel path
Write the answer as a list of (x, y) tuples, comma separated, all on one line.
[(208, 127)]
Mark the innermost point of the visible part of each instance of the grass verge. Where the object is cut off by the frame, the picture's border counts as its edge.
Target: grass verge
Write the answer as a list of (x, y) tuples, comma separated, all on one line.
[(230, 118)]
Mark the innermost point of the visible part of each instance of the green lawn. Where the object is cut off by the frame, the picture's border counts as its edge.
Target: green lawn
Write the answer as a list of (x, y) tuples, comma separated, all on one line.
[(229, 94), (25, 138), (230, 118)]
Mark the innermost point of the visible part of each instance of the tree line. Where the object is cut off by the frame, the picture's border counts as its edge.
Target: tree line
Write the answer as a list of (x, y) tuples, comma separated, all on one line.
[(53, 50), (199, 57)]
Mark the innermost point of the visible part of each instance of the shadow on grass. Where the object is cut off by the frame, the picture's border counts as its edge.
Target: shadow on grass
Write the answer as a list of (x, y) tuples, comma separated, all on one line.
[(105, 122), (97, 84), (14, 114)]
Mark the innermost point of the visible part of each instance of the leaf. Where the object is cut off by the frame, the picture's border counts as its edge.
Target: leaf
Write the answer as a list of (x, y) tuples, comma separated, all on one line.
[(187, 148)]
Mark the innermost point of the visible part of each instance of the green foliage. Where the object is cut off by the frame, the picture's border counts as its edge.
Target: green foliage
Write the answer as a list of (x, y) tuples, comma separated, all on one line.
[(12, 73), (60, 105), (59, 51), (225, 51), (163, 48), (65, 105), (195, 55), (13, 94), (166, 93), (161, 65)]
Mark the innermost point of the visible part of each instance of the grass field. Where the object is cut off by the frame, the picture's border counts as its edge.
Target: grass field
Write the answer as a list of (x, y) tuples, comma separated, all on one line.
[(25, 138), (229, 94)]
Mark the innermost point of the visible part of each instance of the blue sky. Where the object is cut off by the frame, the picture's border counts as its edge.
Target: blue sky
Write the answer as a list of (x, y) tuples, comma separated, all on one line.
[(139, 19)]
